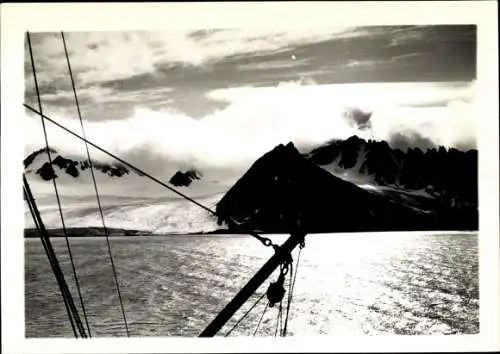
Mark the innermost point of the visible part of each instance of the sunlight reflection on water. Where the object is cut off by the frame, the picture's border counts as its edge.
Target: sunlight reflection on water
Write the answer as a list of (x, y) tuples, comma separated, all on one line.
[(387, 283)]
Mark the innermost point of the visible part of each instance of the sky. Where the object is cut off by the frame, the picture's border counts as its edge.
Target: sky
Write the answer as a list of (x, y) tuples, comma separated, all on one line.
[(219, 99)]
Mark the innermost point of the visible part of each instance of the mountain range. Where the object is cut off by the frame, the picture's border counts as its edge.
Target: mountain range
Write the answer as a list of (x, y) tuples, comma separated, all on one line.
[(341, 186), (284, 187), (69, 166), (448, 174)]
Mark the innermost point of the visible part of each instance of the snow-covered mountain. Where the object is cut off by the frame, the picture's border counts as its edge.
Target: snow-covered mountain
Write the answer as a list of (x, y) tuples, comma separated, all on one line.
[(154, 215), (129, 199), (442, 173), (184, 179), (283, 186), (437, 182)]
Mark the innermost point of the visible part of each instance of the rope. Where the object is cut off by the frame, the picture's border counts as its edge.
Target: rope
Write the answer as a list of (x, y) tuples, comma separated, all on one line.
[(95, 188), (279, 319), (261, 317), (245, 315), (283, 332), (55, 186), (291, 287), (266, 241)]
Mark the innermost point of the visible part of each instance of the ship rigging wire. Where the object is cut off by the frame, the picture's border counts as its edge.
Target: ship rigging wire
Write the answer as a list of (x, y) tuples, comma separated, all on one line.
[(279, 319), (60, 280), (246, 314), (291, 288), (115, 276), (70, 254)]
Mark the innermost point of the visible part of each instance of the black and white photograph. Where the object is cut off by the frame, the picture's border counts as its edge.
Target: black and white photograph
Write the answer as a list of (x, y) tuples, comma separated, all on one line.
[(251, 182)]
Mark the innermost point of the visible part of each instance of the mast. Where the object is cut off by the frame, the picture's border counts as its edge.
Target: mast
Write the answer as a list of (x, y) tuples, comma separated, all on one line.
[(253, 284)]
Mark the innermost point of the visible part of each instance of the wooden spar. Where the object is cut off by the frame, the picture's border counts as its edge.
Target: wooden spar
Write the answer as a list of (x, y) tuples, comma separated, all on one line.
[(56, 268), (253, 284)]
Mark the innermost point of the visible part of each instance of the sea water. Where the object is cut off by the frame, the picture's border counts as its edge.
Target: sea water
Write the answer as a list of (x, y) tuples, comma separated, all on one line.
[(360, 283)]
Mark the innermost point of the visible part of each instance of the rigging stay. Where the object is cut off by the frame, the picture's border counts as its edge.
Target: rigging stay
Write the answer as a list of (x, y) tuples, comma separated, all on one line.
[(115, 276), (69, 304), (70, 253)]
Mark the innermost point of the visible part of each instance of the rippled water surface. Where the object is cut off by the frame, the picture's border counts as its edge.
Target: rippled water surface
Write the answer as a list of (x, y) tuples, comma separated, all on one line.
[(405, 283)]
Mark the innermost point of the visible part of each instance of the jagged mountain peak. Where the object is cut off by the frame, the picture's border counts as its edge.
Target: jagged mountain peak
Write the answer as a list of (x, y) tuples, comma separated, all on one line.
[(435, 170), (38, 163), (278, 189), (31, 157), (283, 188), (184, 179)]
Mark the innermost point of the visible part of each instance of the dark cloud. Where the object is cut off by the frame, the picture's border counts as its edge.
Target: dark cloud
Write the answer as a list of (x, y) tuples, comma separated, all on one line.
[(359, 118), (410, 139), (466, 144)]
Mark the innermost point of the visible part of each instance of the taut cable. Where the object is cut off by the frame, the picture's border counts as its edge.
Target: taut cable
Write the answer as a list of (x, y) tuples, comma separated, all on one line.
[(79, 324), (96, 191)]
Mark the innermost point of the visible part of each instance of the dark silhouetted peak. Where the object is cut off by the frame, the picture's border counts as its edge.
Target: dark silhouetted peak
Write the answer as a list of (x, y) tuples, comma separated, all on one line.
[(447, 173), (61, 162), (349, 152), (354, 140), (72, 170), (327, 153), (68, 166), (415, 152), (84, 165), (111, 169), (184, 179), (346, 151), (29, 159), (46, 172), (283, 187)]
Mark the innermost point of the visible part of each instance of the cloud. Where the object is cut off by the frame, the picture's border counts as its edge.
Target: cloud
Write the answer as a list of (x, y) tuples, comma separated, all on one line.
[(408, 35), (257, 119), (105, 56), (404, 140), (98, 103), (275, 64), (359, 63), (406, 56), (94, 93), (451, 125), (358, 118), (369, 64)]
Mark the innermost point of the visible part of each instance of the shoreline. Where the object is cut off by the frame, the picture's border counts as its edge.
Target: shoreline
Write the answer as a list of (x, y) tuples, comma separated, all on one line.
[(95, 233)]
